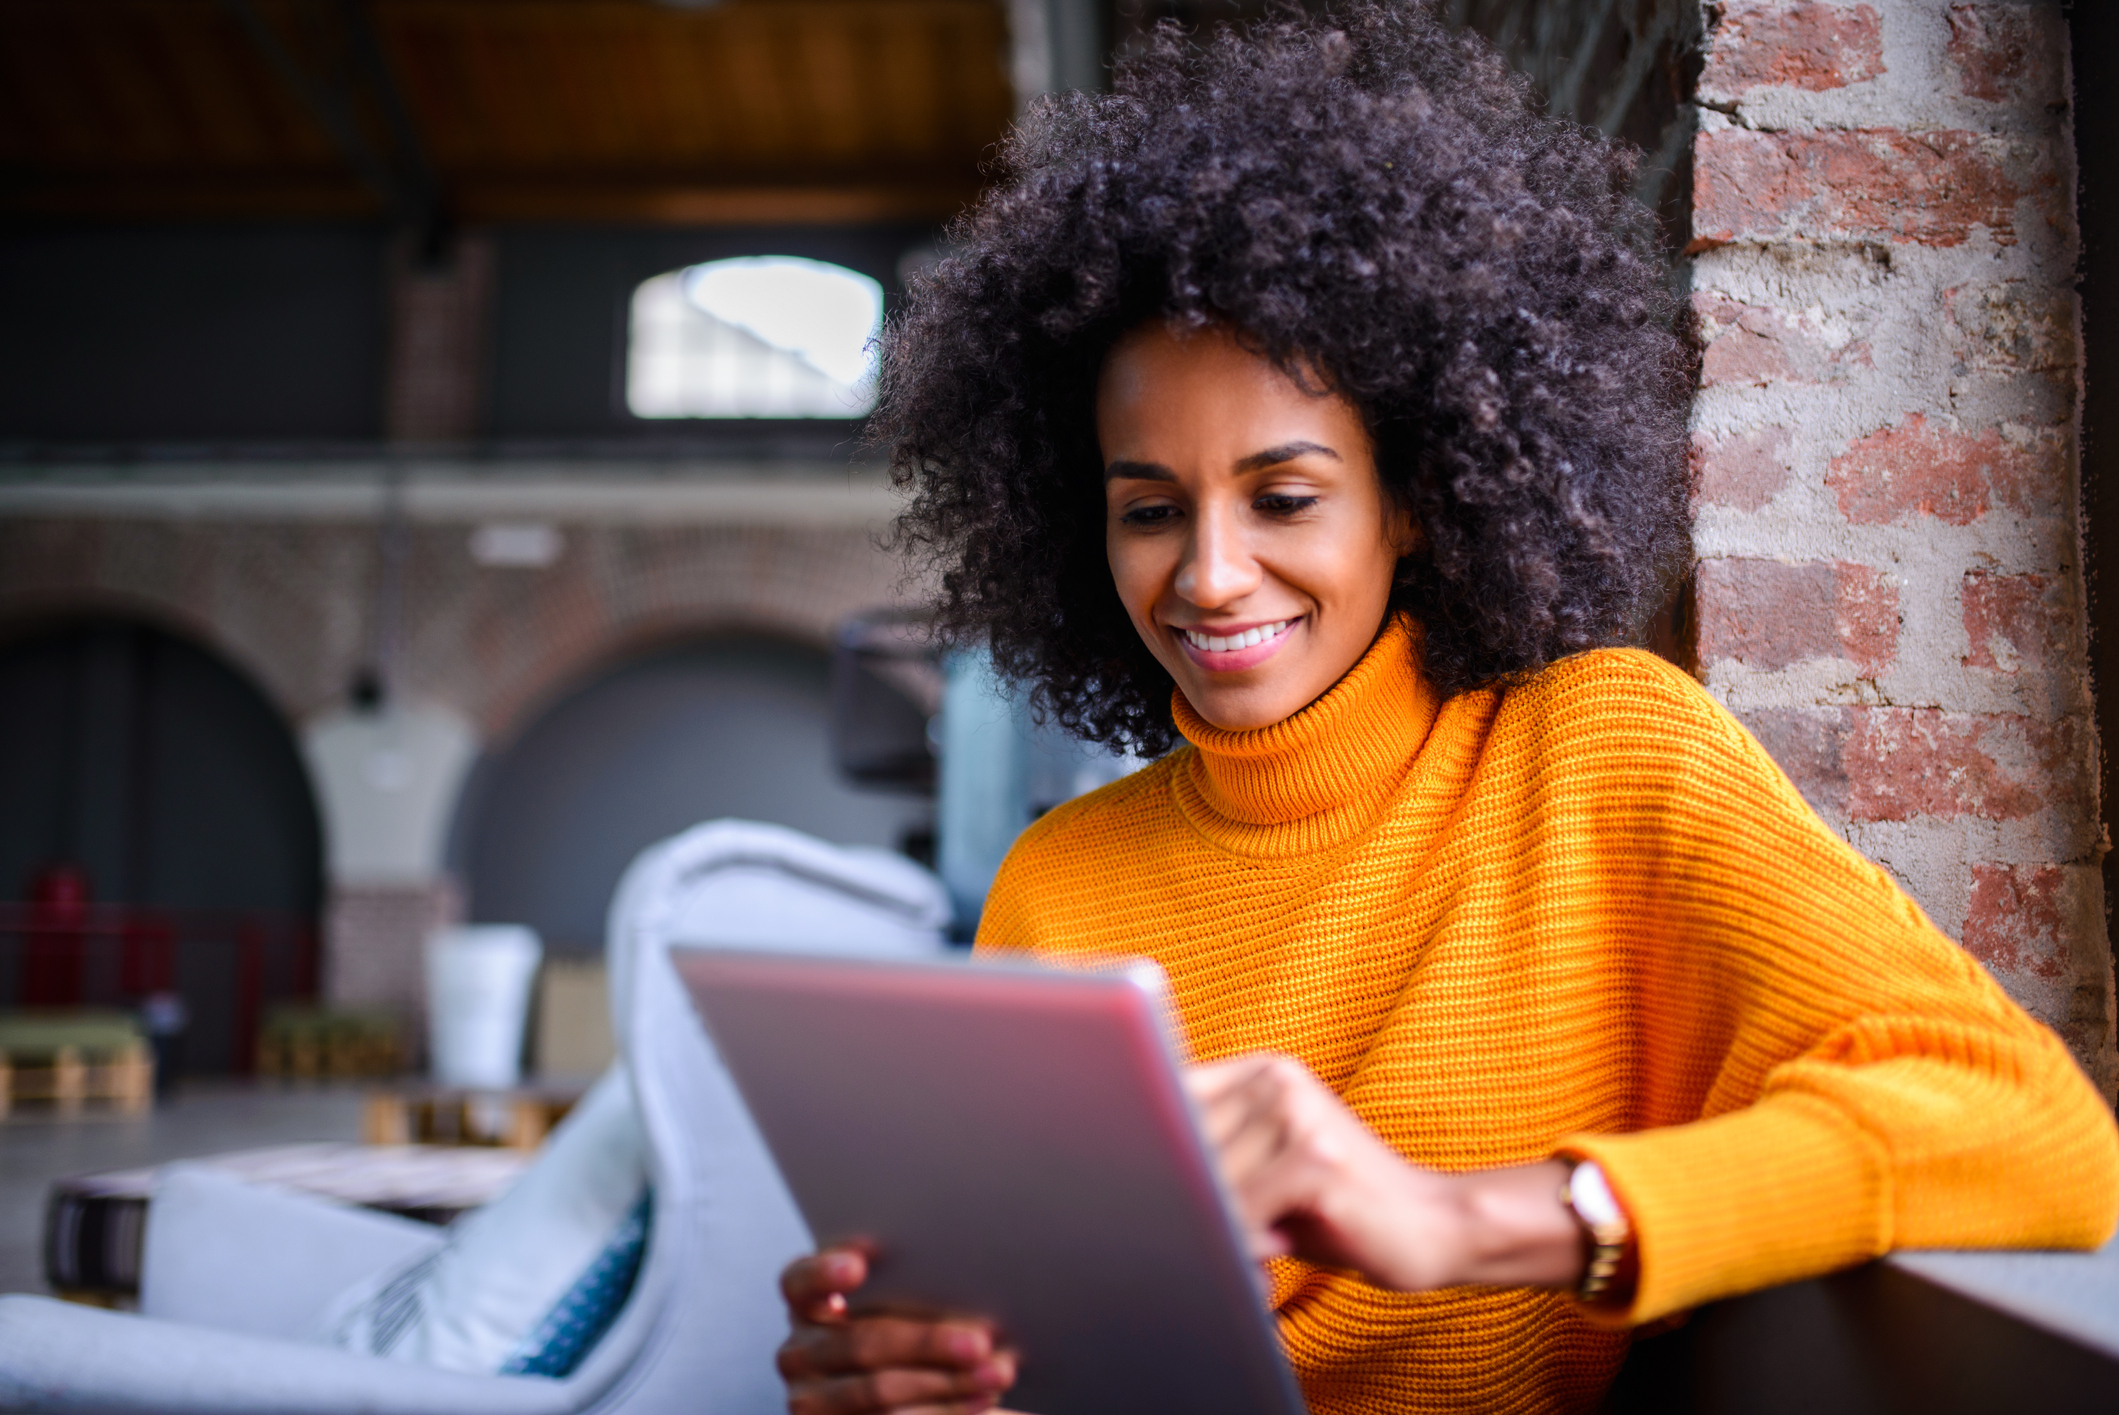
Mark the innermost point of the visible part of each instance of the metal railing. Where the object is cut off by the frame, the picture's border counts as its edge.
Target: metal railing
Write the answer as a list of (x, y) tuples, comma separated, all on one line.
[(227, 965)]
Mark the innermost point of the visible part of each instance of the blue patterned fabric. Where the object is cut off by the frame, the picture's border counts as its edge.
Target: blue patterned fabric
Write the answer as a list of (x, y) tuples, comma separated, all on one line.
[(578, 1321)]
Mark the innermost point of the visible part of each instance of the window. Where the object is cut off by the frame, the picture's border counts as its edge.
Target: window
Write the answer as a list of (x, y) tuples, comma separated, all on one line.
[(756, 337)]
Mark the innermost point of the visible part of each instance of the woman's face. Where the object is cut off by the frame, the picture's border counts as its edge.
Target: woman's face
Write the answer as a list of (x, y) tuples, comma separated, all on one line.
[(1249, 536)]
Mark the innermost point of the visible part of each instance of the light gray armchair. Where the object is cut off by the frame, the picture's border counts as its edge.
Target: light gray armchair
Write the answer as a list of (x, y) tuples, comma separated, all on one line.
[(234, 1277)]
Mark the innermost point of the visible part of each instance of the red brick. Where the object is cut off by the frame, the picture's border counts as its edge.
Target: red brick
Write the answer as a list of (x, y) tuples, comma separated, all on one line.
[(1892, 764), (2005, 53), (1907, 762), (1808, 744), (1767, 615), (2012, 621), (1743, 471), (1955, 477), (1805, 44), (1752, 345), (1865, 617), (1930, 189), (2016, 923)]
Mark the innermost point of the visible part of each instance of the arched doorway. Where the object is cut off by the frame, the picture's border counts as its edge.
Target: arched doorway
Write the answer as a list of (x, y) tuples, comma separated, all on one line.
[(732, 726), (158, 833)]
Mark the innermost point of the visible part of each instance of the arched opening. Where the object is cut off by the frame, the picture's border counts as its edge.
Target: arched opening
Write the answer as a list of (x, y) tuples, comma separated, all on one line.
[(731, 726), (159, 836)]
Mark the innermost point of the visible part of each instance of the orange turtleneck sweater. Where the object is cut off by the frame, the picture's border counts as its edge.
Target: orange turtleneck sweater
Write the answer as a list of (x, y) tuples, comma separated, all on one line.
[(1583, 916)]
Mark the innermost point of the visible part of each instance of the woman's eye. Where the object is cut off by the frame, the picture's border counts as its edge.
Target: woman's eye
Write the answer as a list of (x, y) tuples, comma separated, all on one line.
[(1147, 515), (1277, 504)]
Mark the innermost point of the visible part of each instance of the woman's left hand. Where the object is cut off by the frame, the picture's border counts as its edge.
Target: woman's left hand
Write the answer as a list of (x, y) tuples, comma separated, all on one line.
[(1311, 1181)]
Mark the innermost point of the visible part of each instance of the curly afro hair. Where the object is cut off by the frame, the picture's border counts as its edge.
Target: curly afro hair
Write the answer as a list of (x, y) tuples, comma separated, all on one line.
[(1369, 196)]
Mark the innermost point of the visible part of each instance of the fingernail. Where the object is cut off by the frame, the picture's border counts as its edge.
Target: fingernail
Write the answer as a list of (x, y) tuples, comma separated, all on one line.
[(839, 1267), (964, 1346), (990, 1374)]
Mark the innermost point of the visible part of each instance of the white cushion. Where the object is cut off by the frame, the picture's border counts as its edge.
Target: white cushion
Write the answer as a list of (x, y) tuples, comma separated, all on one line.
[(473, 1303), (221, 1252)]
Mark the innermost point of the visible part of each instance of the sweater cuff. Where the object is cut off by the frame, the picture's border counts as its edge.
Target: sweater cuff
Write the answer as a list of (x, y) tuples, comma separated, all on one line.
[(1783, 1190)]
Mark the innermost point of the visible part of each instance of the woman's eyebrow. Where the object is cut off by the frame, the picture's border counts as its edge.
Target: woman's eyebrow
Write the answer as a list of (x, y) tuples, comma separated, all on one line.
[(1138, 471), (1285, 452)]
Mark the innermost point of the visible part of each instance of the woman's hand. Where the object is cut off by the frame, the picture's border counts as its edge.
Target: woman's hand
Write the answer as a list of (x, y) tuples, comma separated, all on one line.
[(1311, 1181), (836, 1363)]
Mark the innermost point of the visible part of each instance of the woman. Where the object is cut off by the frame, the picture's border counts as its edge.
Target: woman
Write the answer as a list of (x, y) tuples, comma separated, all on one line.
[(1313, 402)]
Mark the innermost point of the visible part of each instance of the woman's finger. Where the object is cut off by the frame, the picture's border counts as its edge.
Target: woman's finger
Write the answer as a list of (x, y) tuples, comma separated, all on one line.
[(816, 1286), (902, 1390), (877, 1343), (1208, 1081), (1226, 1094)]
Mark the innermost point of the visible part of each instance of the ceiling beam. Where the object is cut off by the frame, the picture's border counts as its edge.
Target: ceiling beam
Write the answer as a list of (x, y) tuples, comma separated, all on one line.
[(396, 170), (205, 197)]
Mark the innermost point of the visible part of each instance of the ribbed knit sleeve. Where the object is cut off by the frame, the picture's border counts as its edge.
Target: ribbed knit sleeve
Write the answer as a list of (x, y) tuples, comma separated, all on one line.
[(1860, 1083)]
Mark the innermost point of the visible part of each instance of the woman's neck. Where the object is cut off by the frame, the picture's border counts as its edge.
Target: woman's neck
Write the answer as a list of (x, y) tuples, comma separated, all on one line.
[(1352, 743)]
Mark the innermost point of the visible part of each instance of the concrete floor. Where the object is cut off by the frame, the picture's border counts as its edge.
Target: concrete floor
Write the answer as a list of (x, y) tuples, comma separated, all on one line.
[(203, 1118)]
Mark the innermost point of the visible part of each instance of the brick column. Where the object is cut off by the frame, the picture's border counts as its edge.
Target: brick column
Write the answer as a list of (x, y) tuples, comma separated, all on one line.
[(374, 950), (437, 348), (1890, 592)]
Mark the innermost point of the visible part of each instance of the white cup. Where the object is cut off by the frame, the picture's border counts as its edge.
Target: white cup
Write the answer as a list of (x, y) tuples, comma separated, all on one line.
[(478, 998)]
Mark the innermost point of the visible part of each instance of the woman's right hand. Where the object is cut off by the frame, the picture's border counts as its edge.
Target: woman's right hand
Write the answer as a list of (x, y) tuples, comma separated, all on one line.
[(836, 1363)]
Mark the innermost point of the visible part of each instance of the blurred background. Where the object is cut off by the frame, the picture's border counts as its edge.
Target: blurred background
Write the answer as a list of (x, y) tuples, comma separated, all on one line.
[(429, 470)]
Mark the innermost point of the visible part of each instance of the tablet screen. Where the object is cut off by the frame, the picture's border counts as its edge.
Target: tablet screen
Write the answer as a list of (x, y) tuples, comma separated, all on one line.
[(1014, 1141)]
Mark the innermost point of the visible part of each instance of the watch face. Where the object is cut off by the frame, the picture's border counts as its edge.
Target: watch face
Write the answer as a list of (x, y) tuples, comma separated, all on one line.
[(1592, 1198)]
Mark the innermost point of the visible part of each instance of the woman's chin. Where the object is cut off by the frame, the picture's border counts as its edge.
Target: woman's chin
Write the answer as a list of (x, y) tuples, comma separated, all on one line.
[(1242, 707)]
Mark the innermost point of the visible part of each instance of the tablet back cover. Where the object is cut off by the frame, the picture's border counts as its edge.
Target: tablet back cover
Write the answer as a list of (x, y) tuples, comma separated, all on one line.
[(1014, 1141)]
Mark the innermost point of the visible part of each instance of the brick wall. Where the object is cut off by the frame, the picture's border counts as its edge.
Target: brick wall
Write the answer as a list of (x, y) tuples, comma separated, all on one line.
[(291, 601), (1890, 590)]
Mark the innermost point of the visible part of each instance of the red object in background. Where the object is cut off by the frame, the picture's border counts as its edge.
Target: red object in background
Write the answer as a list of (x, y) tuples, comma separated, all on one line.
[(249, 989), (54, 942), (147, 957)]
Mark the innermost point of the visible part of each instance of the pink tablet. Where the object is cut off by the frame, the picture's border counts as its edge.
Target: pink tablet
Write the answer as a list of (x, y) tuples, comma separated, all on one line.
[(1015, 1142)]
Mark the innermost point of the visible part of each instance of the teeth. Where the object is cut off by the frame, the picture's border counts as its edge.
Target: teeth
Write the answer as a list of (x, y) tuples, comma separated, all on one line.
[(1216, 643)]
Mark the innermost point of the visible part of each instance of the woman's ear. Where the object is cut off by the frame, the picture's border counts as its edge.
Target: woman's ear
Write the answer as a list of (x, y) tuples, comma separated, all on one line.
[(1400, 526)]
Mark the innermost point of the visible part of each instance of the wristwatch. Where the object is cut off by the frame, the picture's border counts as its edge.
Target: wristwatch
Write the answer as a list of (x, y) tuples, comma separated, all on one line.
[(1608, 1276)]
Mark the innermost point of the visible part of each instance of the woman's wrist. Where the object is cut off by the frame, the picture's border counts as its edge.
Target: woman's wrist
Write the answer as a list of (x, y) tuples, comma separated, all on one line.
[(1515, 1229)]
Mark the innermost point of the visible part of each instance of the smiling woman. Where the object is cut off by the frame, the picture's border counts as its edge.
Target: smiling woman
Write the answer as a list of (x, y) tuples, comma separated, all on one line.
[(1311, 412), (1247, 524)]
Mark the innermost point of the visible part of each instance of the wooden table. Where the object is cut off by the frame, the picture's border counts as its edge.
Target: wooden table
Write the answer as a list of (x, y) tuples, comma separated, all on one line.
[(94, 1223)]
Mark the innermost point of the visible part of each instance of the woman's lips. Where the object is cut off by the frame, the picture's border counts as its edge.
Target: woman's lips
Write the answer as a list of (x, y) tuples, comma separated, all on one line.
[(1233, 652)]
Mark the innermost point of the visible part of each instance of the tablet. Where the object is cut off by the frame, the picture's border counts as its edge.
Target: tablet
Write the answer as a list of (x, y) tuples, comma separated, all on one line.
[(1014, 1141)]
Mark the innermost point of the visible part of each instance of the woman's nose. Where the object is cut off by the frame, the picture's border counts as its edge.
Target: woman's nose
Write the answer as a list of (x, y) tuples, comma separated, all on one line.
[(1218, 569)]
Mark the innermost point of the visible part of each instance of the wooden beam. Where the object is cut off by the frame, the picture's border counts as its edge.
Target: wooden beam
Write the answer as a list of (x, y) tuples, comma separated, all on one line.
[(703, 205), (219, 197)]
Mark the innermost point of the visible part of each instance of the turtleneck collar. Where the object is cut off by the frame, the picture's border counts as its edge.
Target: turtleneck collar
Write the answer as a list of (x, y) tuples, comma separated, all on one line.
[(1318, 771)]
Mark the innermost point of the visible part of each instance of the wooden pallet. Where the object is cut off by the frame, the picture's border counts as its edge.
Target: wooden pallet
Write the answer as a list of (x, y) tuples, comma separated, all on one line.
[(434, 1115), (300, 1043), (70, 1079)]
